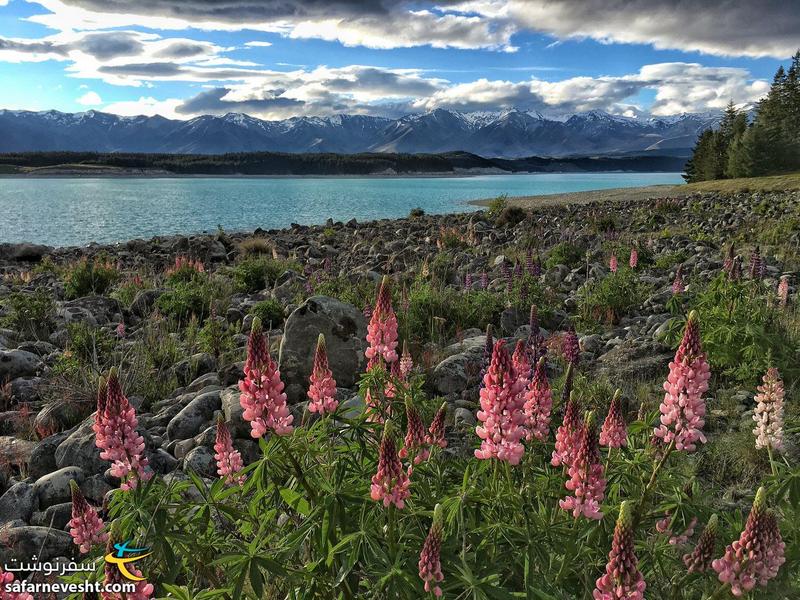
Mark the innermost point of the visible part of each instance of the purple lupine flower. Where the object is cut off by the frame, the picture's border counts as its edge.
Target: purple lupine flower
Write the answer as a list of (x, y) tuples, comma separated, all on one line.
[(484, 280)]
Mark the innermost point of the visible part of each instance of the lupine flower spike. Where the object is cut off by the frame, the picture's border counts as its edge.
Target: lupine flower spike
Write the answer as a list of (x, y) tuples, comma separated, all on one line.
[(677, 284), (783, 291), (435, 436), (663, 526), (535, 347), (521, 362), (406, 362), (699, 559), (116, 436), (622, 579), (613, 264), (414, 443), (430, 568), (262, 396), (382, 328), (6, 580), (768, 413), (614, 432), (683, 409), (634, 259), (730, 256), (113, 575), (538, 403), (757, 555), (756, 269), (568, 434), (322, 385), (229, 460), (85, 526), (501, 415), (586, 476), (390, 484), (570, 347)]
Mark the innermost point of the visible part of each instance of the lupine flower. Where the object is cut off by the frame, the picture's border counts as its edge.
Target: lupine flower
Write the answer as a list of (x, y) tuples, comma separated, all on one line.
[(484, 280), (7, 579), (683, 409), (756, 268), (677, 284), (570, 346), (390, 484), (663, 526), (538, 403), (382, 328), (730, 256), (435, 436), (389, 388), (536, 348), (262, 396), (634, 259), (768, 413), (502, 417), (406, 362), (757, 555), (85, 526), (622, 579), (736, 270), (568, 435), (430, 568), (229, 460), (517, 269), (614, 432), (116, 437), (468, 281), (120, 330), (414, 442), (783, 290), (521, 361), (322, 385), (613, 264), (586, 476), (374, 409), (113, 575), (529, 265), (367, 312), (505, 269), (699, 559)]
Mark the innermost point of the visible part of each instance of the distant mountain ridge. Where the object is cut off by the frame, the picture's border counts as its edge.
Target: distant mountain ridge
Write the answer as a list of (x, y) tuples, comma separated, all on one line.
[(506, 134)]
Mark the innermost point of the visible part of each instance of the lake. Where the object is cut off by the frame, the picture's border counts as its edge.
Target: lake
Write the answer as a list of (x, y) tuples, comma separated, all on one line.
[(76, 211)]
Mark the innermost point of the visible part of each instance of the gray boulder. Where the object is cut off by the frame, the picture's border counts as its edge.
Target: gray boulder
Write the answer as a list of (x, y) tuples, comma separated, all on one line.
[(232, 409), (56, 516), (79, 450), (54, 488), (18, 363), (201, 461), (190, 420), (21, 543), (18, 502), (345, 330)]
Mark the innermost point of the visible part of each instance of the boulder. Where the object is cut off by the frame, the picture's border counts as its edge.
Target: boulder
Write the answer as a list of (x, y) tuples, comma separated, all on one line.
[(190, 420), (79, 450), (18, 502), (21, 543), (56, 516), (232, 409), (345, 330), (54, 488), (201, 461), (18, 363)]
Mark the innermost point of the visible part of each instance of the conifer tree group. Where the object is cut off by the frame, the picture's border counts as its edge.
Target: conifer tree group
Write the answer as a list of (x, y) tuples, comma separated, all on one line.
[(768, 145)]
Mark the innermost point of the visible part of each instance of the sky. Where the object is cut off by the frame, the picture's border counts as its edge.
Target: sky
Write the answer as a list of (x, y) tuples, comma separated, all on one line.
[(276, 59)]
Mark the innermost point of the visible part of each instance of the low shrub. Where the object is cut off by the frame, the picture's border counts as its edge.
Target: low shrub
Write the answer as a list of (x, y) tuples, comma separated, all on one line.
[(497, 206), (30, 313), (565, 253), (255, 246), (92, 345), (606, 301), (510, 215), (255, 274), (269, 311), (87, 278)]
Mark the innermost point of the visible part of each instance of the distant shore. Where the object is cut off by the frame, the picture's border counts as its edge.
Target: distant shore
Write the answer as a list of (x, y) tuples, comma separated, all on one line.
[(611, 194)]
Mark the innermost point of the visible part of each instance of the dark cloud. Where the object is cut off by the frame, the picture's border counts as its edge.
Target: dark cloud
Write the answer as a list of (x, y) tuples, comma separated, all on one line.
[(32, 47), (210, 102), (105, 46), (183, 49)]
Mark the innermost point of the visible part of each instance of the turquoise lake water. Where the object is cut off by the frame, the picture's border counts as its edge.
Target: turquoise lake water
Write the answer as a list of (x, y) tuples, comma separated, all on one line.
[(67, 211)]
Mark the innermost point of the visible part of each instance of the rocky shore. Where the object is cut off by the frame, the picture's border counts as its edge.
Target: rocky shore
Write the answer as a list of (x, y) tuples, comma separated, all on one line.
[(55, 341)]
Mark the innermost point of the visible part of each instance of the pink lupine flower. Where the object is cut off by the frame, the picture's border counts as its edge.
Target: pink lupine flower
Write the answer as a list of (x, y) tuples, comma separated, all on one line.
[(367, 312), (586, 476), (229, 460), (435, 435), (768, 413), (85, 526), (6, 580), (570, 346), (677, 284), (529, 264), (430, 568), (484, 280), (262, 396), (699, 559), (736, 270), (783, 291), (521, 361), (468, 281), (382, 328), (116, 437), (622, 579), (756, 264), (322, 386), (538, 403), (614, 432), (730, 256), (613, 265), (634, 259), (414, 443), (406, 362), (112, 575), (568, 434), (390, 484), (757, 555), (683, 409), (120, 330), (501, 415), (663, 526)]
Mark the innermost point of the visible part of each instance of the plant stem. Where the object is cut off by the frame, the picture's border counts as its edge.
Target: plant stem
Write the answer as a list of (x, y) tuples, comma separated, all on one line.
[(298, 471), (719, 592), (637, 515), (772, 461)]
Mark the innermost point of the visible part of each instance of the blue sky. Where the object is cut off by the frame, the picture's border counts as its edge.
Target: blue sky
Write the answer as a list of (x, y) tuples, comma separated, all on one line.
[(280, 58)]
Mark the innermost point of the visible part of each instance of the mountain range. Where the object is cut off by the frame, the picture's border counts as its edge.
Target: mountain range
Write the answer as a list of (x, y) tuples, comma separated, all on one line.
[(506, 134)]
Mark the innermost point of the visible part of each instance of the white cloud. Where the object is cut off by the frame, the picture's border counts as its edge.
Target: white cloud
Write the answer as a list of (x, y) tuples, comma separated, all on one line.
[(89, 99), (258, 44), (147, 106)]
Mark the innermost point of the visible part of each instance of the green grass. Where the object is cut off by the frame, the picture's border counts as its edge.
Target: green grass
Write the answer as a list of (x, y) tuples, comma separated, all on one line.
[(771, 183)]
